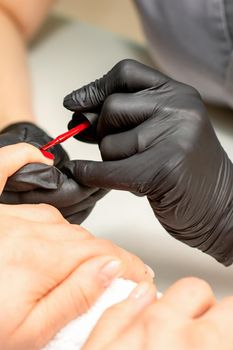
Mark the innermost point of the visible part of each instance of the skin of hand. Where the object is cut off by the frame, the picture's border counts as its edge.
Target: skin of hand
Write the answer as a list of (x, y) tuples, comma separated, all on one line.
[(50, 271), (19, 22), (41, 183), (187, 317), (156, 140)]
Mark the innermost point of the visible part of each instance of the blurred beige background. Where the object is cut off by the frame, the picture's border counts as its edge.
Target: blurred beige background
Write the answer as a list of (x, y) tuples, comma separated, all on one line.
[(118, 16)]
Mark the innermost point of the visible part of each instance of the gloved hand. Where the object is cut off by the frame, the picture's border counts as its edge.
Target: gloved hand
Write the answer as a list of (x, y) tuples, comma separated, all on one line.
[(156, 140), (39, 183)]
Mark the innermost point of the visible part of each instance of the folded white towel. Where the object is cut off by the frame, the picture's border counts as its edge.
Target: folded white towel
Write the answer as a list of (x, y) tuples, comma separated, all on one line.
[(74, 335)]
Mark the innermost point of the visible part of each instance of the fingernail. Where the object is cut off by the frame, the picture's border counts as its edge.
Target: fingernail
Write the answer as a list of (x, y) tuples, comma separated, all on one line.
[(140, 291), (110, 271), (150, 271), (47, 154)]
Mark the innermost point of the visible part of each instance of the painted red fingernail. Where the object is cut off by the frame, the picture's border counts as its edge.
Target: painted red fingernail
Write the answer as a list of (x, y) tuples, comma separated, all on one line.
[(47, 154)]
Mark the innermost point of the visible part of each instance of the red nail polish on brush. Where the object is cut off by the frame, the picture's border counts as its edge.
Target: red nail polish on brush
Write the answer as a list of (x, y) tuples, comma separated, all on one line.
[(63, 137), (86, 121), (47, 154)]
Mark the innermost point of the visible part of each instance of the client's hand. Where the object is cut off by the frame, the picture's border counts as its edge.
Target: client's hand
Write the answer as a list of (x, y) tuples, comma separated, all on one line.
[(187, 317), (50, 271), (41, 183)]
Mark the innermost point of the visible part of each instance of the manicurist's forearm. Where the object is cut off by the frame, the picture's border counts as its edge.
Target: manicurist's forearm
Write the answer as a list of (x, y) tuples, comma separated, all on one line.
[(15, 91), (19, 21)]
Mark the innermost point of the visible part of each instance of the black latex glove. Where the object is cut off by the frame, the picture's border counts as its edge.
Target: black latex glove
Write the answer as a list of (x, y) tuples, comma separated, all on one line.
[(156, 140), (39, 183)]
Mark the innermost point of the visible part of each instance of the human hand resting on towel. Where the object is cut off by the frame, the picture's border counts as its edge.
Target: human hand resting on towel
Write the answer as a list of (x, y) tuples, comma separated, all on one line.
[(43, 183), (156, 140), (187, 317), (50, 271)]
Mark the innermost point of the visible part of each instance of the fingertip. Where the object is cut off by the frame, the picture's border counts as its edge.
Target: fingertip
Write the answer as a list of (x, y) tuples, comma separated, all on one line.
[(191, 296), (48, 155), (67, 101), (30, 154), (70, 101), (144, 291), (150, 272)]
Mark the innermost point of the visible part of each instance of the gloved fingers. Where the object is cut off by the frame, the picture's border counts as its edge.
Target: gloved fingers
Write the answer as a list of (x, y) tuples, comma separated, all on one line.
[(121, 112), (26, 132), (69, 193), (78, 217), (78, 212), (84, 204), (128, 143), (73, 214), (119, 175), (126, 76), (34, 176), (119, 146)]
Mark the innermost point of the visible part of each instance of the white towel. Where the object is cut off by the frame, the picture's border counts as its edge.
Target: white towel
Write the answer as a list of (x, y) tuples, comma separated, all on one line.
[(74, 335)]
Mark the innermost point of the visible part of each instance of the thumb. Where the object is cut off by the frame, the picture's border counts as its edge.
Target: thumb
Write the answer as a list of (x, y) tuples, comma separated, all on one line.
[(109, 175), (120, 317), (70, 299)]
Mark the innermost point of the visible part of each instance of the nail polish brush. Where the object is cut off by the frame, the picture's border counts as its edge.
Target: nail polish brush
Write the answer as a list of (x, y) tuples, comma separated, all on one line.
[(84, 120)]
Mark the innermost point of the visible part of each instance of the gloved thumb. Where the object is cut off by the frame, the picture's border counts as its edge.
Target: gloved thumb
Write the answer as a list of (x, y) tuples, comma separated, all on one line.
[(124, 174), (107, 175)]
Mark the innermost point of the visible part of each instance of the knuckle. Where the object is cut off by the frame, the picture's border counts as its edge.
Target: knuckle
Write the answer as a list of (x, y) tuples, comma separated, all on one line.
[(194, 92), (48, 208), (125, 67), (80, 299), (195, 286), (193, 105), (82, 232), (196, 114), (111, 106), (190, 90), (26, 148), (107, 148), (50, 211), (108, 245)]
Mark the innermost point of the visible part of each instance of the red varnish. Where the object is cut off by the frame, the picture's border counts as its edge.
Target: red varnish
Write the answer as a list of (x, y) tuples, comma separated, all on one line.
[(47, 154), (63, 137)]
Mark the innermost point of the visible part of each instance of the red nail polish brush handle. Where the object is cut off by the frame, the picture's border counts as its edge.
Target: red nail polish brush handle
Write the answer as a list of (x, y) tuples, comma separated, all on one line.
[(63, 137)]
